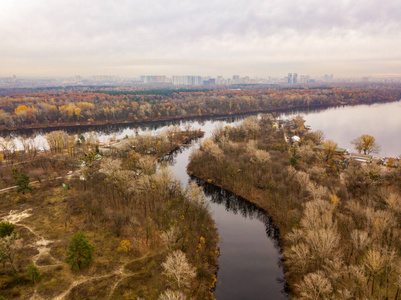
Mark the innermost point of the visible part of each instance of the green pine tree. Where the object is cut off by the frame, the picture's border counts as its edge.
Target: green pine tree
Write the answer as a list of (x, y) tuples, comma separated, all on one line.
[(79, 252), (22, 182), (6, 228), (33, 273)]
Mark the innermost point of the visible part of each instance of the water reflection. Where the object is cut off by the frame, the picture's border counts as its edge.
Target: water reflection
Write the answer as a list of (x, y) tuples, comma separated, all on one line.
[(346, 123), (237, 204), (249, 261), (120, 130)]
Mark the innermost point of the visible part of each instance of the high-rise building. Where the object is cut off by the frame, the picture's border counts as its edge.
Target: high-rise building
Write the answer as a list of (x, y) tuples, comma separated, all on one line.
[(187, 80), (289, 78), (153, 79), (295, 78), (328, 78), (210, 81)]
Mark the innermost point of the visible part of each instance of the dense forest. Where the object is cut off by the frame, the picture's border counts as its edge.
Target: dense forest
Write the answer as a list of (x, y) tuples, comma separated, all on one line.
[(339, 219), (101, 221), (46, 109)]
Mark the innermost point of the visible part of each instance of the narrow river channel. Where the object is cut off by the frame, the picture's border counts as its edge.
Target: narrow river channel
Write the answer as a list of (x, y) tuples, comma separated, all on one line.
[(249, 254)]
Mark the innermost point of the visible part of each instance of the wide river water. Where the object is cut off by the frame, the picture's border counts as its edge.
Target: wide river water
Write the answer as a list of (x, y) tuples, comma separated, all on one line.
[(343, 124), (249, 253)]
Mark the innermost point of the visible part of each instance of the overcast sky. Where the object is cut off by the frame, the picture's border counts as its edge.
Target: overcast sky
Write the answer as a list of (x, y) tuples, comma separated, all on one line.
[(200, 37)]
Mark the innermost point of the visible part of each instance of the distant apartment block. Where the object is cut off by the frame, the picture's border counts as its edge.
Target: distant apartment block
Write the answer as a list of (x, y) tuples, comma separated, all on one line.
[(104, 78), (235, 79), (210, 81), (187, 80), (240, 80), (295, 78), (222, 81), (12, 79), (78, 78), (153, 79), (289, 78), (328, 78)]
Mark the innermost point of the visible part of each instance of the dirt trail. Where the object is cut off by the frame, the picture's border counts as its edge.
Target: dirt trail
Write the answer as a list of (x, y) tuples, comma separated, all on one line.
[(43, 246), (15, 216), (120, 272), (35, 182)]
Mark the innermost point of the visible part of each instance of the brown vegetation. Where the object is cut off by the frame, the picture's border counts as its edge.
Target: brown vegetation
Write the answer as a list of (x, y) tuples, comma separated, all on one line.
[(338, 221), (136, 219)]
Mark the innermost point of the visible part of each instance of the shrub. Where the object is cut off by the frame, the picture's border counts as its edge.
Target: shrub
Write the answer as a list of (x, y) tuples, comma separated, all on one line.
[(6, 229)]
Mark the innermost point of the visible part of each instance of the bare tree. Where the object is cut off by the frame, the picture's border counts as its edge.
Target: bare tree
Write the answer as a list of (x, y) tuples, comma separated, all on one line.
[(360, 240), (170, 236), (298, 257), (178, 270), (8, 247), (172, 295), (195, 194), (8, 146), (315, 286)]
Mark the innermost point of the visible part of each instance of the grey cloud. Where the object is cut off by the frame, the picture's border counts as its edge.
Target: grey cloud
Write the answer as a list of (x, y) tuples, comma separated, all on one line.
[(66, 32)]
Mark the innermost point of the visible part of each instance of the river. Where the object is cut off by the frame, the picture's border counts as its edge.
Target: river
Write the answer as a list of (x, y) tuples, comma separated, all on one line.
[(341, 124), (345, 123), (249, 255)]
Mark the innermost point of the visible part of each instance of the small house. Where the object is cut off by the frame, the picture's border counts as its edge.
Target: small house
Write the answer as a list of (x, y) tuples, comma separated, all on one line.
[(295, 138), (338, 150)]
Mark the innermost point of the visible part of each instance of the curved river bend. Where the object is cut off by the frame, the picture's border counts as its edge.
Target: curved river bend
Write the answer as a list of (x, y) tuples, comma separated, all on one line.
[(249, 254)]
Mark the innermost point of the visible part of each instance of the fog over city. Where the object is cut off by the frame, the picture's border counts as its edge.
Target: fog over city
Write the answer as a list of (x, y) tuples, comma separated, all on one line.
[(176, 37)]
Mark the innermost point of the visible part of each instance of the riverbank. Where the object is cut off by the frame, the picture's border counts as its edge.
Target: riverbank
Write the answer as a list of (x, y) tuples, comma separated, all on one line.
[(64, 125), (133, 231), (149, 120), (244, 195)]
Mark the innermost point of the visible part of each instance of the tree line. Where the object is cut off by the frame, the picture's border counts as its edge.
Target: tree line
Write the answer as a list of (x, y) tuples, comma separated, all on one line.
[(44, 109)]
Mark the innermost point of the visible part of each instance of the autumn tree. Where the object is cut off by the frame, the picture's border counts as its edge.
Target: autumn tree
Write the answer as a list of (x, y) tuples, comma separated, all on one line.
[(177, 268), (316, 136), (315, 286), (7, 145), (366, 144), (172, 295), (329, 149), (55, 140), (8, 248)]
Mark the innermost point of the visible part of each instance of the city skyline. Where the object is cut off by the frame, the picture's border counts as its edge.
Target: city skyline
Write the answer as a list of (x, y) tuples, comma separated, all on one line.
[(175, 38)]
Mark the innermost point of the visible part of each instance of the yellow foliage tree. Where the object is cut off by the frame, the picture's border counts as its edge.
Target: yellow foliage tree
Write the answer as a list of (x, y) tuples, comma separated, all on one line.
[(22, 108), (125, 246)]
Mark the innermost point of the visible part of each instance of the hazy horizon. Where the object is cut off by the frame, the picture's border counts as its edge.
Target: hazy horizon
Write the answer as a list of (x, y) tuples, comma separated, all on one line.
[(247, 37)]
